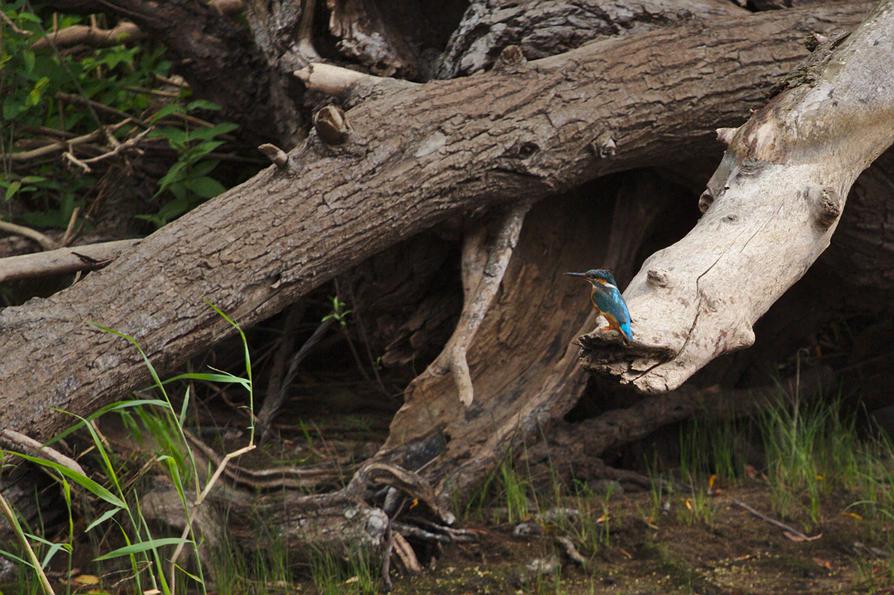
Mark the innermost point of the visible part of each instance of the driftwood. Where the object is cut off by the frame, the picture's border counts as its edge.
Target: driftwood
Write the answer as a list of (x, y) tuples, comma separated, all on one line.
[(769, 211)]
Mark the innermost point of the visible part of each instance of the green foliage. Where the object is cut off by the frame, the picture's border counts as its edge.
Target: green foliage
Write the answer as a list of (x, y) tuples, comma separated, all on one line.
[(188, 179), (515, 493), (356, 573), (339, 312), (44, 99), (149, 556)]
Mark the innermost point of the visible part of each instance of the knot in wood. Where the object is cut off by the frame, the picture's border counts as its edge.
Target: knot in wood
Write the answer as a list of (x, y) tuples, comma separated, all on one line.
[(826, 205), (657, 278), (526, 150), (705, 201), (331, 125), (511, 59), (604, 146)]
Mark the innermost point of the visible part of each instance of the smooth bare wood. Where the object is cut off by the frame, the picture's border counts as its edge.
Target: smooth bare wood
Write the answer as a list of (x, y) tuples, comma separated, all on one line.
[(62, 260)]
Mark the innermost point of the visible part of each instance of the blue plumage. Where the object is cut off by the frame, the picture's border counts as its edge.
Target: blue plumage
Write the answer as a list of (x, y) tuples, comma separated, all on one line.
[(608, 301)]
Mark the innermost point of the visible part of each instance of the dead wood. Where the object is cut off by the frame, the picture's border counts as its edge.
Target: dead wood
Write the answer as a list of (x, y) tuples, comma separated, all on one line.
[(546, 28), (770, 211), (123, 32), (261, 245), (62, 261)]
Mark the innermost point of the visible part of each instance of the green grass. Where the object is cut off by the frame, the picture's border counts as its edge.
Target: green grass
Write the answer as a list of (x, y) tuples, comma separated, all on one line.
[(335, 575), (514, 493), (153, 559)]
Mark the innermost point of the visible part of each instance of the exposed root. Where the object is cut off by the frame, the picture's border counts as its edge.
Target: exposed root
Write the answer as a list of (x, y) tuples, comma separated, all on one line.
[(486, 254)]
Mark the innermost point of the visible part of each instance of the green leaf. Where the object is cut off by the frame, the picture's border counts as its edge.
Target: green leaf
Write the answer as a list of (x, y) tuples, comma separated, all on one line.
[(205, 187), (204, 167), (79, 478), (28, 60), (13, 106), (116, 406), (102, 518), (16, 559), (171, 108), (213, 131), (142, 546), (175, 136), (36, 93), (222, 378), (12, 189), (183, 409), (202, 104)]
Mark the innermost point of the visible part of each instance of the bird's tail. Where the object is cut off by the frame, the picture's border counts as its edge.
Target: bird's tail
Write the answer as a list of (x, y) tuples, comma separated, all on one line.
[(628, 333)]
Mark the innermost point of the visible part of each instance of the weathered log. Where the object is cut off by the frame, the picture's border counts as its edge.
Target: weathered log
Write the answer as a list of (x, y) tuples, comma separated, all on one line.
[(771, 208), (456, 146), (542, 29)]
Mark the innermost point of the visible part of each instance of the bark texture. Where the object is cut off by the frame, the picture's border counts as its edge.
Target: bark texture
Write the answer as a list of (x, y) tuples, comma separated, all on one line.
[(544, 28), (770, 211)]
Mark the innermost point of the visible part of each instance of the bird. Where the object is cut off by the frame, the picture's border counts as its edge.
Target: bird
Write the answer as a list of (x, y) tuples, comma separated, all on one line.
[(607, 301)]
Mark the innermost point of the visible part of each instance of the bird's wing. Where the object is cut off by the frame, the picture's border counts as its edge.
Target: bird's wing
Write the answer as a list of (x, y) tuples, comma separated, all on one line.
[(610, 300)]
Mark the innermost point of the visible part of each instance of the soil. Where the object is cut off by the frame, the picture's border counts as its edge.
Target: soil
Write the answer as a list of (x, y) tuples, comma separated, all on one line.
[(733, 552)]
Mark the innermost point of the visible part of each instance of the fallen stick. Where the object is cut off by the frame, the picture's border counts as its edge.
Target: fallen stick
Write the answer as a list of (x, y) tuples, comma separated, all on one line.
[(62, 261), (785, 528)]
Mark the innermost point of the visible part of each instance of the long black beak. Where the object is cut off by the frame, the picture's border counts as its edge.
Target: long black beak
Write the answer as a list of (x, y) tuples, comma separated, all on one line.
[(576, 274)]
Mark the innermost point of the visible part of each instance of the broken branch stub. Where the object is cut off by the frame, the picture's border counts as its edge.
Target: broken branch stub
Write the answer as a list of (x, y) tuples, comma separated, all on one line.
[(770, 210)]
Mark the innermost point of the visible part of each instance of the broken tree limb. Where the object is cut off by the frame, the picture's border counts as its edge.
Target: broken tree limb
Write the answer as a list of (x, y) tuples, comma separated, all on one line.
[(62, 261), (123, 32), (771, 209)]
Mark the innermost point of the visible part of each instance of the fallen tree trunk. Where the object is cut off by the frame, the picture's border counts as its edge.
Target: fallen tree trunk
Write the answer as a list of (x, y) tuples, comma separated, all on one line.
[(769, 211), (475, 143)]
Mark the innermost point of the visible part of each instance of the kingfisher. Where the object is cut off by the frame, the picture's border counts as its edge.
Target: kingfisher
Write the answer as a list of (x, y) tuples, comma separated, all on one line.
[(607, 301)]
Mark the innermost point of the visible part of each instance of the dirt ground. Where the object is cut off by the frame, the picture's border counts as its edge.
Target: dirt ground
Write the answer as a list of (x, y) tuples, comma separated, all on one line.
[(734, 552)]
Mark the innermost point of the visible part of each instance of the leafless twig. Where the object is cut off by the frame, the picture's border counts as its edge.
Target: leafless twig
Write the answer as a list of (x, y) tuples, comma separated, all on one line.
[(45, 242), (12, 25), (785, 528)]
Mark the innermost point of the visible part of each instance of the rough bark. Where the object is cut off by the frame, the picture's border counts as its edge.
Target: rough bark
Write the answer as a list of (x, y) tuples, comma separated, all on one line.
[(770, 211), (544, 28), (460, 146)]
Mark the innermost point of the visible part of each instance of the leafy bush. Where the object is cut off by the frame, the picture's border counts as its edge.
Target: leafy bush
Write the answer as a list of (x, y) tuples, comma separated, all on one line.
[(55, 95)]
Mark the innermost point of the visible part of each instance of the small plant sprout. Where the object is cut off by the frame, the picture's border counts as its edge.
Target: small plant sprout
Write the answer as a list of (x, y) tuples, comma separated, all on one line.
[(339, 312)]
